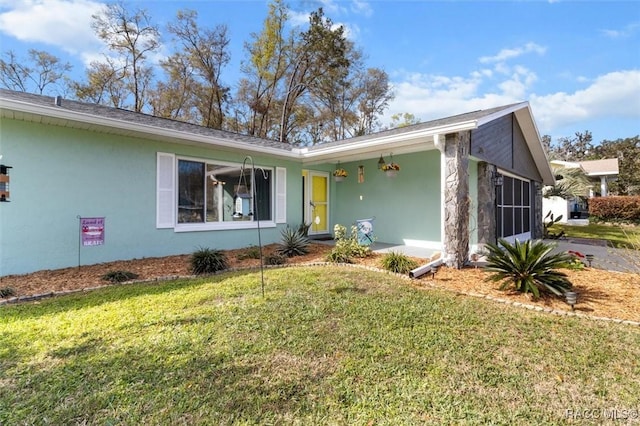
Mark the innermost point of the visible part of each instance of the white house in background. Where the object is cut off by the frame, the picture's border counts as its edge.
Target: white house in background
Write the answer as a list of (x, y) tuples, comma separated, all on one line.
[(599, 172), (602, 171)]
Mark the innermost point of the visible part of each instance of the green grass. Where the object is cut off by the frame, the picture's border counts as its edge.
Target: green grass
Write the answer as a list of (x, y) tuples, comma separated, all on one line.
[(325, 346), (618, 236)]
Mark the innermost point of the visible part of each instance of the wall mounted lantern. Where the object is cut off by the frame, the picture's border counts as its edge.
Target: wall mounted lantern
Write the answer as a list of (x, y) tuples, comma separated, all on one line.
[(498, 179), (4, 183)]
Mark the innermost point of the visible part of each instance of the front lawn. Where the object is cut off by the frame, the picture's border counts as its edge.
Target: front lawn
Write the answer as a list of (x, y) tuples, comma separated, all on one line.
[(327, 345), (618, 236)]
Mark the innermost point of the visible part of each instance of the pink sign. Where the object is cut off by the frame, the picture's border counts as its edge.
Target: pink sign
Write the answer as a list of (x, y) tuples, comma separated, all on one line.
[(92, 231)]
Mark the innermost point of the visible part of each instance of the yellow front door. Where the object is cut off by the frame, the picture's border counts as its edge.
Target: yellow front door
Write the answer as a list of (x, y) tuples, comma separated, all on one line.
[(318, 207)]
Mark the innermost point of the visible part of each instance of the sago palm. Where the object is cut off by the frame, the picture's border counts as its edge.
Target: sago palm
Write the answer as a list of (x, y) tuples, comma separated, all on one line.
[(529, 266)]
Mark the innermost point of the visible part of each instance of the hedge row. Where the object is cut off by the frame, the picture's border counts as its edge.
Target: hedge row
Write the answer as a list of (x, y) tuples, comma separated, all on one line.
[(615, 208)]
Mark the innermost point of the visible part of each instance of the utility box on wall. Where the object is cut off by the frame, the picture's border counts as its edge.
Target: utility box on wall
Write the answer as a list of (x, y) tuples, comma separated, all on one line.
[(4, 183)]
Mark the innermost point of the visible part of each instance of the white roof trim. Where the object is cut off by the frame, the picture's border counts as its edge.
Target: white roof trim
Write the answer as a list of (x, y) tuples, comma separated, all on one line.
[(506, 111), (376, 143), (140, 128), (408, 141)]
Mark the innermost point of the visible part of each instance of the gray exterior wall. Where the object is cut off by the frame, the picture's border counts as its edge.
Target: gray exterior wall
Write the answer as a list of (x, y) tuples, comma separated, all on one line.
[(486, 203), (501, 142)]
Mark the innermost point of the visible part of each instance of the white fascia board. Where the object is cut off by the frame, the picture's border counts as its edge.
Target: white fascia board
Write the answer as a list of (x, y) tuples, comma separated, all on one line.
[(502, 113), (145, 129), (386, 141), (524, 116), (602, 174)]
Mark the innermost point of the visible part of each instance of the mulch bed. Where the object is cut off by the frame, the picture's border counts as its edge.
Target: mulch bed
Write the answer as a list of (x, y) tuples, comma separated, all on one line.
[(601, 293)]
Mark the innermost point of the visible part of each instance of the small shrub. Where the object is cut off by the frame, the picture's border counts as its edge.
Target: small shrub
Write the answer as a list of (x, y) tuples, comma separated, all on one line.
[(251, 252), (398, 262), (119, 276), (576, 261), (339, 256), (548, 222), (528, 267), (347, 246), (275, 259), (293, 243), (208, 261), (7, 292)]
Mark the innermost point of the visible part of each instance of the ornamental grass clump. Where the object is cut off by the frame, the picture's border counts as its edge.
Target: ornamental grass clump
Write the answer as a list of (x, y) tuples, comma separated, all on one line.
[(208, 261), (119, 276), (399, 263), (7, 292), (528, 266)]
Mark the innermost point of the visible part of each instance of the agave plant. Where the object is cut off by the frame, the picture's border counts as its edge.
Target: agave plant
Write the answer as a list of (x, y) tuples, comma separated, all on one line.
[(529, 266), (294, 243)]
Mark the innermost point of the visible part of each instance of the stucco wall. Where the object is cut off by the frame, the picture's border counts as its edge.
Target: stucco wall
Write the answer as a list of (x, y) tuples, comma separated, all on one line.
[(406, 207), (61, 173)]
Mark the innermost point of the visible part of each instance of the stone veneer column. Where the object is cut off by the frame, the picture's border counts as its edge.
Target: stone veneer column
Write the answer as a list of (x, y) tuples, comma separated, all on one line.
[(537, 230), (486, 203), (456, 199)]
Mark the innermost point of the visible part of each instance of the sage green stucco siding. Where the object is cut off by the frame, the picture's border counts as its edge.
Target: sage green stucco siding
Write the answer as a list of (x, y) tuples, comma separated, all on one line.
[(60, 173), (405, 208)]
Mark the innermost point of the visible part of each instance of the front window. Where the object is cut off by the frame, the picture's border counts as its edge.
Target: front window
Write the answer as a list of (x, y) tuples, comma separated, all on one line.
[(211, 192)]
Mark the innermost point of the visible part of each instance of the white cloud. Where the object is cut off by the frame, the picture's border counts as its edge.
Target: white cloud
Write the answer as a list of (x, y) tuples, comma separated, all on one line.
[(298, 18), (362, 8), (61, 23), (626, 31), (506, 54), (433, 96), (613, 95)]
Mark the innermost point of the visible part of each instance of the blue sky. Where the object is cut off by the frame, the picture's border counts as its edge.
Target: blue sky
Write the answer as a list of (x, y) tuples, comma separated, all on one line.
[(576, 62)]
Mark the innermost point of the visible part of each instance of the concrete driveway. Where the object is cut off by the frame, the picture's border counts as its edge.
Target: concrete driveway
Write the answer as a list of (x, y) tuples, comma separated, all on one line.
[(605, 257)]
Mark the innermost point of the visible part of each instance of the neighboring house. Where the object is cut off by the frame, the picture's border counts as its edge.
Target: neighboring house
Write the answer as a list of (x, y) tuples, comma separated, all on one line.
[(599, 172), (165, 187)]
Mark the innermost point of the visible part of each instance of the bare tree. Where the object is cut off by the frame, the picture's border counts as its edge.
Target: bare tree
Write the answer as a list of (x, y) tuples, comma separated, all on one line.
[(264, 71), (130, 37), (206, 53), (38, 73)]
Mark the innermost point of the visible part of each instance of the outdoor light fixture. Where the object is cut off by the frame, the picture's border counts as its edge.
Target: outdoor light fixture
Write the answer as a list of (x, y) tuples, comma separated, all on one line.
[(4, 183), (571, 297), (498, 179), (589, 258), (381, 162), (434, 271)]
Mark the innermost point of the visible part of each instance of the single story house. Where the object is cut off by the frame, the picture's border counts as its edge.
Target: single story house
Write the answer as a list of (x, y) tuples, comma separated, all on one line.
[(575, 210), (91, 184)]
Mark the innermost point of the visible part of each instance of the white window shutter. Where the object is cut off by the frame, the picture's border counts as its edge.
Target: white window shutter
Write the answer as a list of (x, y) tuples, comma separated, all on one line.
[(165, 190), (281, 195)]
